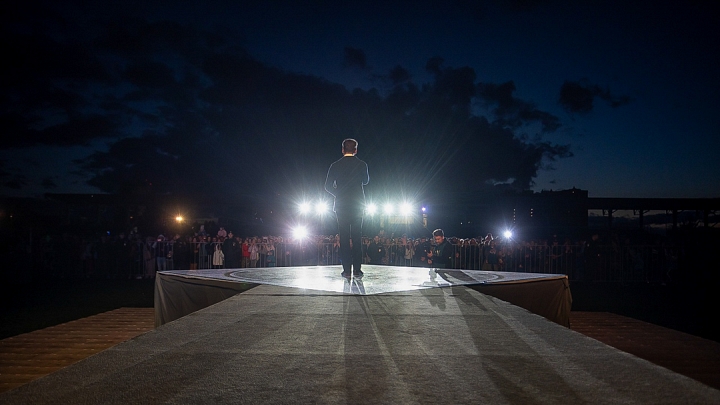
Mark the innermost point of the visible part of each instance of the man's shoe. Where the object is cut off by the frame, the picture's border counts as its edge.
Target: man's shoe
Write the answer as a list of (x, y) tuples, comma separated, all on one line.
[(358, 273), (345, 274)]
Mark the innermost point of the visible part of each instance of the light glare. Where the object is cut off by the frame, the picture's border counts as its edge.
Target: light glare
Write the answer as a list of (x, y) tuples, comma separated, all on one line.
[(321, 208), (300, 232), (304, 208), (388, 209)]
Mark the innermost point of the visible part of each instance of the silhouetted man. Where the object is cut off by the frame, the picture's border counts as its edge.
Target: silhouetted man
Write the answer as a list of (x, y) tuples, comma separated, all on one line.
[(345, 181)]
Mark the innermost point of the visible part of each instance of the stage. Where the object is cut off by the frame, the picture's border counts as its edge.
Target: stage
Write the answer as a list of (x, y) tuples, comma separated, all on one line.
[(179, 293), (437, 341)]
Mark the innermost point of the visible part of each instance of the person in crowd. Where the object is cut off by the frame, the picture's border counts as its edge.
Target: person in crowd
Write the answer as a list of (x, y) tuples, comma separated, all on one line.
[(409, 248), (270, 260), (254, 252), (441, 255), (421, 252), (218, 260), (222, 233), (245, 253), (345, 181), (204, 247), (491, 257), (376, 251), (262, 262), (194, 253), (159, 249), (148, 258), (230, 247)]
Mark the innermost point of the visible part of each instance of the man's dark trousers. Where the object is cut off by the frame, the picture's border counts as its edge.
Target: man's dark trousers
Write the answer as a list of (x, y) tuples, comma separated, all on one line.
[(350, 227)]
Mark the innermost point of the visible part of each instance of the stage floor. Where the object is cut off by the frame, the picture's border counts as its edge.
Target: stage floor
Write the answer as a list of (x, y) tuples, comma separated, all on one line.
[(274, 344), (376, 280), (179, 293)]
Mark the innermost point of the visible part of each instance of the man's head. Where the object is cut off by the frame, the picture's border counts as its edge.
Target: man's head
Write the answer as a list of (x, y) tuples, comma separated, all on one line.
[(439, 235), (349, 146)]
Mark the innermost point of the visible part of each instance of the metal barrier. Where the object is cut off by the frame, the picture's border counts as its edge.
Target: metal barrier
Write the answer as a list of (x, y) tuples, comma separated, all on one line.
[(610, 263)]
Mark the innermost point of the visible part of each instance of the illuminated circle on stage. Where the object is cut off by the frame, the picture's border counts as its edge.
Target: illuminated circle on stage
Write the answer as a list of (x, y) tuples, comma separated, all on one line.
[(376, 280)]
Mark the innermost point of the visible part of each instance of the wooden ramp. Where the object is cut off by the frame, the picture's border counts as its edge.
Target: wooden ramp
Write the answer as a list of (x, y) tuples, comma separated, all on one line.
[(680, 352)]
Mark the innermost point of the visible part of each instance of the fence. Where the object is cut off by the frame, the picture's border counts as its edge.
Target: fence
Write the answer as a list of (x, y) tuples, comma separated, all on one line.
[(614, 263), (636, 263)]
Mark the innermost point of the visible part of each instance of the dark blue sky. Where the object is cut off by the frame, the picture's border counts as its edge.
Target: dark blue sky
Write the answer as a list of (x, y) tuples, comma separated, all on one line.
[(638, 113)]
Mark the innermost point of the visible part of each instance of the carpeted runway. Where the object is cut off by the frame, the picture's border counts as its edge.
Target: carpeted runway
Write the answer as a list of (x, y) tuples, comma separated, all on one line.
[(275, 344)]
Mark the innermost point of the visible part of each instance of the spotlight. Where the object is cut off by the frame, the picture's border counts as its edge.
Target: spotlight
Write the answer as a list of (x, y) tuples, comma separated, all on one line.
[(300, 232), (371, 209), (321, 208), (304, 208), (405, 209), (507, 234), (388, 209), (179, 218)]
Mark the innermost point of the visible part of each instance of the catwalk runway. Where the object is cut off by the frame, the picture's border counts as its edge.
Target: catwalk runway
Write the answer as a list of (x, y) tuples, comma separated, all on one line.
[(423, 344)]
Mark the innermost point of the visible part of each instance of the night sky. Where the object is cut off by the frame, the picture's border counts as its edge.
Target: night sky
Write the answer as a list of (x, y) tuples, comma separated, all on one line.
[(458, 99)]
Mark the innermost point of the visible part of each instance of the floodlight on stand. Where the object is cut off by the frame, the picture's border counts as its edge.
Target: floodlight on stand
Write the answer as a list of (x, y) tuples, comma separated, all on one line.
[(507, 234), (405, 209), (371, 209)]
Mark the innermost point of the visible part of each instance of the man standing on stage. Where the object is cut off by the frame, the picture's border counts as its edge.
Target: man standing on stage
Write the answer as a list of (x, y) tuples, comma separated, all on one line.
[(441, 255), (345, 181)]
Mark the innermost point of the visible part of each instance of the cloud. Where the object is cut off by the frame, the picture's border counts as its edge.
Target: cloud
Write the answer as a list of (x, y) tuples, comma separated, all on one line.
[(512, 112), (579, 96), (75, 131), (184, 113), (399, 75), (48, 183), (354, 58)]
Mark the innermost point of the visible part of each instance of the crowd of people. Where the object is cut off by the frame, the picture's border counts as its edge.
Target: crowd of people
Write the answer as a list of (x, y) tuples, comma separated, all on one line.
[(132, 255)]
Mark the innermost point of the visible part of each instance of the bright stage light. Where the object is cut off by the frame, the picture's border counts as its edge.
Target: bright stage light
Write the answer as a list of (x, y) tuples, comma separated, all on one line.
[(388, 209), (300, 232), (371, 209), (507, 234), (179, 218), (321, 208), (406, 209), (304, 208)]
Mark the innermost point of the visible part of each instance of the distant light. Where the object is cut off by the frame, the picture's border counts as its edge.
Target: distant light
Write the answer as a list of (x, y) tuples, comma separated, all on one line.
[(300, 232), (424, 209), (388, 209), (507, 234), (179, 218), (406, 209), (371, 209)]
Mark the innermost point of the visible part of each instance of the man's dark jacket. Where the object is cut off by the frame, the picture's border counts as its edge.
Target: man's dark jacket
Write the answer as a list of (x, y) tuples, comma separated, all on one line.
[(345, 180)]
